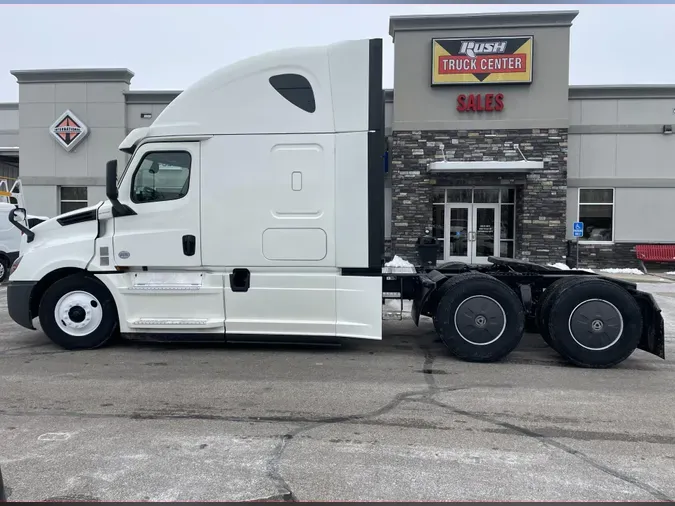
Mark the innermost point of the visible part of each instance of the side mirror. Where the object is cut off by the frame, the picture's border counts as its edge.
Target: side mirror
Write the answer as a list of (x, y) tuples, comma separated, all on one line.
[(111, 192), (111, 180), (17, 217)]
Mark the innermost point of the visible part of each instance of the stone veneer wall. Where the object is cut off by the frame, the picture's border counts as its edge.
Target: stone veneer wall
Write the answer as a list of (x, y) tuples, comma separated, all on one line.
[(619, 255), (541, 195)]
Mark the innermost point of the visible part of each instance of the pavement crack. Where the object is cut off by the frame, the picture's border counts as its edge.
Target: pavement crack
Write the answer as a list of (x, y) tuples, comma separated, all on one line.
[(274, 462), (429, 358), (284, 491), (274, 472), (560, 446), (427, 369)]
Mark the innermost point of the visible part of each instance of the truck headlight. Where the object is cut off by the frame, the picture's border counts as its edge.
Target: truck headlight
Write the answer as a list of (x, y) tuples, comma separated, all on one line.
[(15, 265)]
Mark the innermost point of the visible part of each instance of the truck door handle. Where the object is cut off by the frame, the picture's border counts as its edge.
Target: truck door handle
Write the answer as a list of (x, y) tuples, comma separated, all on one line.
[(189, 242), (240, 280)]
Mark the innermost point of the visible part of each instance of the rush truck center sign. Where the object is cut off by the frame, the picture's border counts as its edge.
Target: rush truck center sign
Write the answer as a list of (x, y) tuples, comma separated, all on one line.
[(482, 60)]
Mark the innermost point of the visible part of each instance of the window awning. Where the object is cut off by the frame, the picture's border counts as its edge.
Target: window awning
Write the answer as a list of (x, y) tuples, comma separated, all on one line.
[(479, 166)]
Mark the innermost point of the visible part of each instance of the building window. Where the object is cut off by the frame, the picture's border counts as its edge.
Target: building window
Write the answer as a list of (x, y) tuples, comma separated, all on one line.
[(596, 212), (72, 198), (507, 218), (161, 176), (296, 89), (438, 221)]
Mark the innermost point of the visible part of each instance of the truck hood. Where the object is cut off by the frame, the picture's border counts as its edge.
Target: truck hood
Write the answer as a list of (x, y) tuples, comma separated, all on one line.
[(56, 221), (77, 225)]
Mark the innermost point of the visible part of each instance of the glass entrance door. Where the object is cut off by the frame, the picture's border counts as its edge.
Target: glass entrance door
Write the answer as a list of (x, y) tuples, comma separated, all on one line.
[(483, 235), (474, 223), (457, 228)]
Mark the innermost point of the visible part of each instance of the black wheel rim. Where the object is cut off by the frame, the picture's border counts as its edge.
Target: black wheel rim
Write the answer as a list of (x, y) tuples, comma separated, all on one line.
[(596, 324), (480, 320)]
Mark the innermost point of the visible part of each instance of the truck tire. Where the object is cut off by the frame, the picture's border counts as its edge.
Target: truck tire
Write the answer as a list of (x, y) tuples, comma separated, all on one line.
[(78, 313), (479, 318), (545, 304), (594, 323), (4, 268), (3, 493)]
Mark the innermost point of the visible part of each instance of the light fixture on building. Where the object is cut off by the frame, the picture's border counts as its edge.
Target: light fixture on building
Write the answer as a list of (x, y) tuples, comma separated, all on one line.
[(441, 148), (146, 115), (667, 129)]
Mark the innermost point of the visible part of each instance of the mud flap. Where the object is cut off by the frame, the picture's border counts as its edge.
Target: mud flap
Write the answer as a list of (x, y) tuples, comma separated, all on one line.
[(426, 284), (653, 333)]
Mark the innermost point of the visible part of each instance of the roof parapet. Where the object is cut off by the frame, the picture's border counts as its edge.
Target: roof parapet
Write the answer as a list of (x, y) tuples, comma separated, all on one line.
[(73, 75), (484, 20)]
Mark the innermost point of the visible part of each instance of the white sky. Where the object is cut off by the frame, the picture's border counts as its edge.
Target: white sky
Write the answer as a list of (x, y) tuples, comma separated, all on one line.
[(171, 46)]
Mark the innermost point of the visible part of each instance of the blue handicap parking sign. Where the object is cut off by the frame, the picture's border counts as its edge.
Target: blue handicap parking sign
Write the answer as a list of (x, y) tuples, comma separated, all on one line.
[(578, 229)]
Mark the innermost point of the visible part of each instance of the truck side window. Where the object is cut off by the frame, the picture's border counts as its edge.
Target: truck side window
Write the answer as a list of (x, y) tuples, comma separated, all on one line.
[(296, 89), (161, 176)]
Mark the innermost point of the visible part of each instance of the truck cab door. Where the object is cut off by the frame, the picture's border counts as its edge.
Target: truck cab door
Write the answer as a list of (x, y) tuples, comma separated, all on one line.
[(162, 186)]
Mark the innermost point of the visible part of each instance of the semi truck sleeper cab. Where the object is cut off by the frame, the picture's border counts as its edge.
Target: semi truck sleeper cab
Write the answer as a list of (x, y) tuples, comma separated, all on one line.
[(253, 208)]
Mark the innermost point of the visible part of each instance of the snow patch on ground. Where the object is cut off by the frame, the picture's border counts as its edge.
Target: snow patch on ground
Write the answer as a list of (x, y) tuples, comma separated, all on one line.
[(398, 264), (564, 267), (623, 270), (561, 266), (637, 272)]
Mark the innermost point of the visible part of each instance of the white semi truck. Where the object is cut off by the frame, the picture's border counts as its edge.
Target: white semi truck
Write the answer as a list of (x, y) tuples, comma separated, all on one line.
[(253, 209)]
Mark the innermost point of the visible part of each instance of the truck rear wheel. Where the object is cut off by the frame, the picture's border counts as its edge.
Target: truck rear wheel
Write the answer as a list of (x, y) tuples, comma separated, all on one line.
[(594, 323), (78, 313), (479, 318), (544, 307)]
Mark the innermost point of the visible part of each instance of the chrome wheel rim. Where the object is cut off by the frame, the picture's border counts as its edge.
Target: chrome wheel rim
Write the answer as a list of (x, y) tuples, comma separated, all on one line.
[(595, 324), (480, 320), (78, 313)]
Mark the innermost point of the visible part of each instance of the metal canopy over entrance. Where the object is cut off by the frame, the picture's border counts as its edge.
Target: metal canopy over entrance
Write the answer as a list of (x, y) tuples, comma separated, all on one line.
[(515, 166)]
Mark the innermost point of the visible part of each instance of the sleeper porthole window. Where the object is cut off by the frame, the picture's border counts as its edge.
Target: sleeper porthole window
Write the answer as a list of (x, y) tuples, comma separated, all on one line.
[(296, 89)]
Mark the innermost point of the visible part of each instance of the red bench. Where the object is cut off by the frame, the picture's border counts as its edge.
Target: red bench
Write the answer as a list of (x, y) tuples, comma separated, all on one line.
[(654, 253)]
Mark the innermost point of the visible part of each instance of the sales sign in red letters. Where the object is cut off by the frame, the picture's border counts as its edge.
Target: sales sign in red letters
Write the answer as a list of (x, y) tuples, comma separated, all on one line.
[(477, 103)]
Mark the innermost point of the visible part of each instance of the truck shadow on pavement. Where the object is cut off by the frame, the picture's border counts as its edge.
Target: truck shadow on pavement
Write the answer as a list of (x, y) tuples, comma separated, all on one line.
[(400, 338)]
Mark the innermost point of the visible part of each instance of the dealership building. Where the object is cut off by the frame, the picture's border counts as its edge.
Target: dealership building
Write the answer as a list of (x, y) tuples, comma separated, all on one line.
[(489, 147)]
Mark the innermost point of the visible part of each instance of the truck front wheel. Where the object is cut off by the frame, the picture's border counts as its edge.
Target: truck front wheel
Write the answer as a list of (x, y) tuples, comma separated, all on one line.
[(4, 268), (479, 318), (78, 313)]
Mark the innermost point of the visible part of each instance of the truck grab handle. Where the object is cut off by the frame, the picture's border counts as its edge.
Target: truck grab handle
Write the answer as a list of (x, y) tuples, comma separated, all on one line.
[(12, 219)]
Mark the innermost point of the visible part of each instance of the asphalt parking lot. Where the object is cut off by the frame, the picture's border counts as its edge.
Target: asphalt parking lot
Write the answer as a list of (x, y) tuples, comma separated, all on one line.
[(393, 420)]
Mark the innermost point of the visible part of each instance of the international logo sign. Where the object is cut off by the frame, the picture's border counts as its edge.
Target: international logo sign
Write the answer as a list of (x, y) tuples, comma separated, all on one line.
[(482, 60), (68, 130)]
